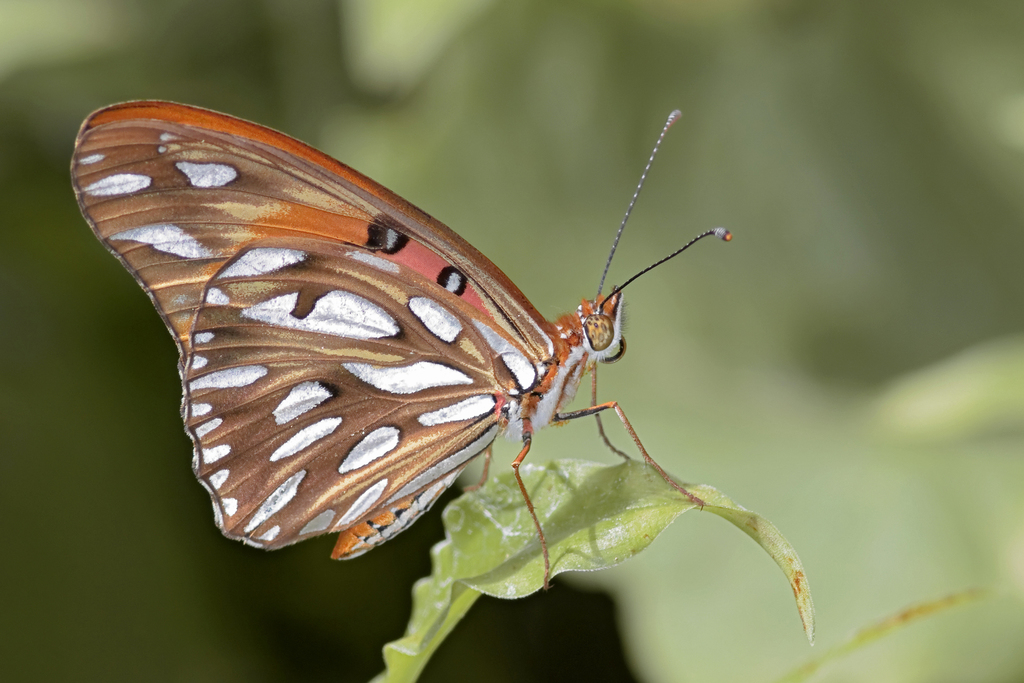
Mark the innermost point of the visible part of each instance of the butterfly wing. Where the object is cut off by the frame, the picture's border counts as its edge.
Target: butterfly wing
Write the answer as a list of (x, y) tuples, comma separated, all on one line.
[(319, 392), (338, 346), (225, 183)]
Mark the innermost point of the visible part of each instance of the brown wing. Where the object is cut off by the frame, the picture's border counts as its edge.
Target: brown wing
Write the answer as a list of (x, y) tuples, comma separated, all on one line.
[(228, 183), (319, 393), (271, 264)]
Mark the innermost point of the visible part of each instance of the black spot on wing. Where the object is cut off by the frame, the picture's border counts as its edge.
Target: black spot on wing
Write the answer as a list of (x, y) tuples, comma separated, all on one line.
[(383, 234), (452, 279)]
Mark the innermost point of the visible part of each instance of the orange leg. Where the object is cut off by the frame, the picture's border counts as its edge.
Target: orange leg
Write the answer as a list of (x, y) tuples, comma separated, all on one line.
[(527, 439), (597, 416), (483, 477), (614, 405)]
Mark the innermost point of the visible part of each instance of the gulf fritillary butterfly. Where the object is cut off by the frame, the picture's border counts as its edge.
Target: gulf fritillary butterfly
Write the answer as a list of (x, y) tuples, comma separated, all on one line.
[(343, 355)]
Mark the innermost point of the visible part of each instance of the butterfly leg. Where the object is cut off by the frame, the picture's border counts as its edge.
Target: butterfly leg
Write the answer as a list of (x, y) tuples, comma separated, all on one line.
[(614, 405), (527, 439), (483, 477), (597, 416)]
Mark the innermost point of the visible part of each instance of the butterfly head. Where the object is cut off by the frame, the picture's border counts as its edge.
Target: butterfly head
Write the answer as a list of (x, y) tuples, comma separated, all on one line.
[(602, 328)]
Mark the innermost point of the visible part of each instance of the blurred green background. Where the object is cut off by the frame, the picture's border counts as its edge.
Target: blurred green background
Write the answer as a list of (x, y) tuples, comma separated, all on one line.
[(851, 366)]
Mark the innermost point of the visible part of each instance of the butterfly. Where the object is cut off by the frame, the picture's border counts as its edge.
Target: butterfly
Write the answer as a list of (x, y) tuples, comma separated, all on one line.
[(343, 355)]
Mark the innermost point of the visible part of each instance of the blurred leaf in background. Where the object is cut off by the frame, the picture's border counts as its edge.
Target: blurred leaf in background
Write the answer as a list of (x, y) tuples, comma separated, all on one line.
[(848, 366)]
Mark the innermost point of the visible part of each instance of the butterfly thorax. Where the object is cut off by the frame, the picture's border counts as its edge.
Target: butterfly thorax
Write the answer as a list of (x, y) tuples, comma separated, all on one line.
[(591, 333)]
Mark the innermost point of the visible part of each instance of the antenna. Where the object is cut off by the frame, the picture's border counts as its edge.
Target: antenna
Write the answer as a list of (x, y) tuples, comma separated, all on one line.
[(720, 233), (672, 118)]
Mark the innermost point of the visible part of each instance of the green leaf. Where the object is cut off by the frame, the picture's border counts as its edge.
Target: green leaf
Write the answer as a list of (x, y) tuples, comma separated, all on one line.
[(594, 516)]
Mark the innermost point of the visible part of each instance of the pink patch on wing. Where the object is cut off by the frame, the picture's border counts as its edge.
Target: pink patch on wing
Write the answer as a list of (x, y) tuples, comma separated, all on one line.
[(428, 264)]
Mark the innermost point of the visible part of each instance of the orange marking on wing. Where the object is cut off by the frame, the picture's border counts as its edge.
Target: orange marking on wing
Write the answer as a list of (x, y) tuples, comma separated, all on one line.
[(310, 220)]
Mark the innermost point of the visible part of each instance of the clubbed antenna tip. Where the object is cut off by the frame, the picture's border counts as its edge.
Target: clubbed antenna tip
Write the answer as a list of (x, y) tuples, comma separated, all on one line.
[(720, 233)]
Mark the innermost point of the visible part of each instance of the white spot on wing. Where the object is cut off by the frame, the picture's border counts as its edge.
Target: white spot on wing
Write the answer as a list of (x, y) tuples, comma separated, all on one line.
[(306, 437), (474, 406), (497, 343), (263, 260), (216, 297), (207, 175), (318, 523), (216, 453), (167, 137), (276, 500), (454, 282), (230, 378), (198, 362), (408, 379), (337, 313), (364, 502), (514, 360), (375, 261), (91, 159), (203, 337), (218, 478), (200, 409), (230, 506), (270, 534), (207, 427), (121, 183), (374, 445), (167, 238), (521, 369), (439, 470), (436, 318), (301, 399)]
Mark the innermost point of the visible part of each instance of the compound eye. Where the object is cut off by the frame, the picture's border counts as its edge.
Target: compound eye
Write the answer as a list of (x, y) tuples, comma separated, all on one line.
[(600, 331), (618, 354)]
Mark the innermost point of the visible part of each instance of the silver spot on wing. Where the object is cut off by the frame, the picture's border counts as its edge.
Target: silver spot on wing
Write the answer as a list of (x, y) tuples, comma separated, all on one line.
[(408, 379), (301, 399), (218, 478), (231, 378), (207, 175), (261, 261), (306, 437), (207, 427), (216, 453), (375, 261), (167, 238), (276, 500), (475, 406), (518, 364), (436, 318), (374, 445), (364, 502), (318, 523), (121, 183), (216, 297), (341, 314)]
